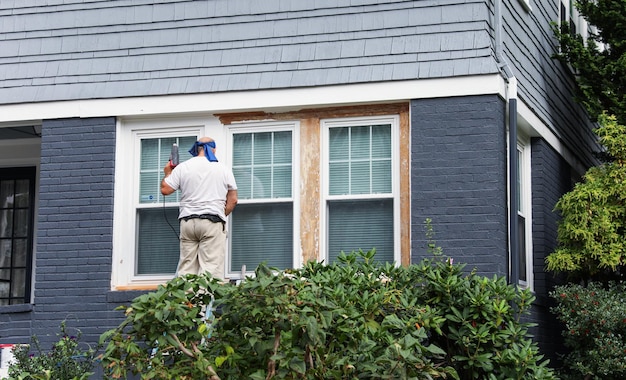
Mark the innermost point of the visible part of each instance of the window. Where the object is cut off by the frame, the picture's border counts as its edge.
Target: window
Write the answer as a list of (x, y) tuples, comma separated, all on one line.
[(524, 223), (360, 187), (264, 225), (17, 194), (145, 238), (308, 188), (569, 16)]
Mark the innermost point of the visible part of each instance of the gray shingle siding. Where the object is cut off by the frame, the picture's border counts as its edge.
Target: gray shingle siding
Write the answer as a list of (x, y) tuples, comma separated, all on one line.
[(458, 179), (104, 49), (545, 84)]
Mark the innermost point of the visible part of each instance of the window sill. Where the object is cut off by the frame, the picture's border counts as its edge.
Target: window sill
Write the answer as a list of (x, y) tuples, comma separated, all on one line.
[(14, 309), (124, 296)]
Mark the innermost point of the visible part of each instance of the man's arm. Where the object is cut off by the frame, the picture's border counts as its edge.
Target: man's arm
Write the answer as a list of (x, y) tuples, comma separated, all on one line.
[(231, 201), (165, 188)]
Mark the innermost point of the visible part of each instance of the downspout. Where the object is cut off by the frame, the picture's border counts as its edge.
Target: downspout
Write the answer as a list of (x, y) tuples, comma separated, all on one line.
[(511, 94)]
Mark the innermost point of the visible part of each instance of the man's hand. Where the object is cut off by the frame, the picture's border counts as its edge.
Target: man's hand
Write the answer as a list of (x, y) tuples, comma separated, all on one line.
[(165, 188), (167, 169)]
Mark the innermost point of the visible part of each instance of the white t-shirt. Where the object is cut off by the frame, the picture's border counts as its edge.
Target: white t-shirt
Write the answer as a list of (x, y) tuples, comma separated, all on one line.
[(203, 186)]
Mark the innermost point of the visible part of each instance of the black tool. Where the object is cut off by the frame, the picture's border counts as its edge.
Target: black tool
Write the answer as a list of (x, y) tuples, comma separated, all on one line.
[(174, 159)]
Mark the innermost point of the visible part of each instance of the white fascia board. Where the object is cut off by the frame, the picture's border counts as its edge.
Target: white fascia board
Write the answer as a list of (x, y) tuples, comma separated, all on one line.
[(533, 126), (267, 100)]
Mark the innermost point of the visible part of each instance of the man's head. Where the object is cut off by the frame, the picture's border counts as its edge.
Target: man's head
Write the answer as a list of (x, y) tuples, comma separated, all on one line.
[(205, 146)]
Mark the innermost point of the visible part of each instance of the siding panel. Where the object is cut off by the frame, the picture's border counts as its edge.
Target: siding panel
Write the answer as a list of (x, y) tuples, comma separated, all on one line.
[(156, 48)]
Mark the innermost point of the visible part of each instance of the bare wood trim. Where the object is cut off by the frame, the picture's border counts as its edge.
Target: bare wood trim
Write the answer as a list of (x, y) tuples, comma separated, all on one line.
[(315, 113), (310, 189), (122, 288), (405, 187)]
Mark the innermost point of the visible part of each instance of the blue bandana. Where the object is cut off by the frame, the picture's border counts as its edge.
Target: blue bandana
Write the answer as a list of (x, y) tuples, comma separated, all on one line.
[(208, 152)]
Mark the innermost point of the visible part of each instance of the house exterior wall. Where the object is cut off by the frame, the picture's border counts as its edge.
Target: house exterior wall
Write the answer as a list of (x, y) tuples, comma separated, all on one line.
[(62, 60), (551, 177), (75, 224), (458, 179)]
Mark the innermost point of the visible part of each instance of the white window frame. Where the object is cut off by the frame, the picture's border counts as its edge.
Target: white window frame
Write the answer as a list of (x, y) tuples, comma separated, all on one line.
[(325, 125), (277, 126), (525, 199), (572, 14), (126, 194)]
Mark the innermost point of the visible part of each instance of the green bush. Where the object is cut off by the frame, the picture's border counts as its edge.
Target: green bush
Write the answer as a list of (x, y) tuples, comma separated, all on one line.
[(67, 360), (595, 330), (354, 319)]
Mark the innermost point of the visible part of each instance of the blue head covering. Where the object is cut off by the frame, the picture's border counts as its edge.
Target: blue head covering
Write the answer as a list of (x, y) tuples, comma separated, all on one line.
[(208, 152)]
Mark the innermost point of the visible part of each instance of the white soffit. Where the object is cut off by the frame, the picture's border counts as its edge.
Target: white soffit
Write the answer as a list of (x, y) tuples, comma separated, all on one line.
[(266, 100)]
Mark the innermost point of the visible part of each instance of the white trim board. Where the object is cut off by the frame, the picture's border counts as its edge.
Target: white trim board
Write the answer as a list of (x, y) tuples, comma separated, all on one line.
[(241, 101)]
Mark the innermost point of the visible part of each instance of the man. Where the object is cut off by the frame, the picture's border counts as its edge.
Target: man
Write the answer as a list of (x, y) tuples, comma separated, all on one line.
[(208, 196)]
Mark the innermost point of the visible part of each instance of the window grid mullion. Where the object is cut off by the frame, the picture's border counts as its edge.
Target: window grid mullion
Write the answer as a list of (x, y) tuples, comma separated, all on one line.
[(349, 160), (272, 165), (252, 164), (370, 161), (156, 170)]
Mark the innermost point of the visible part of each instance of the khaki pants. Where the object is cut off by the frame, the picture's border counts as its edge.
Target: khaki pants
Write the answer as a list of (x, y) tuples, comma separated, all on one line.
[(202, 248)]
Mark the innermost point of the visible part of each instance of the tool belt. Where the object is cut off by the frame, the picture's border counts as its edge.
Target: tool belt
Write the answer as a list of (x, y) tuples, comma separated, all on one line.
[(213, 218)]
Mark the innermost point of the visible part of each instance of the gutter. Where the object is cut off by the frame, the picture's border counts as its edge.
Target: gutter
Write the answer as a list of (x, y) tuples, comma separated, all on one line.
[(511, 95)]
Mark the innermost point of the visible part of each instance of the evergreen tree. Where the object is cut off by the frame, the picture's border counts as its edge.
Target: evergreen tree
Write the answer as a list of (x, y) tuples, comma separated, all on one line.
[(599, 63), (592, 231)]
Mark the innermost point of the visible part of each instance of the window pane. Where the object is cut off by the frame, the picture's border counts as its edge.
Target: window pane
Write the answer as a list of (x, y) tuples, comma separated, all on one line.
[(262, 164), (360, 177), (154, 155), (5, 255), (338, 144), (22, 193), (381, 144), (360, 140), (381, 176), (339, 175), (242, 145), (262, 182), (21, 226), (20, 252), (6, 223), (361, 224), (158, 247), (18, 282), (6, 194), (360, 160), (149, 191), (520, 202), (243, 177), (521, 244), (262, 232), (282, 182), (262, 148), (282, 148)]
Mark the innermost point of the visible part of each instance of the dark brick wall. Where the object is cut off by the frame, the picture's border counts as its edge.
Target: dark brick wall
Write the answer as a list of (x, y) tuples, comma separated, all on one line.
[(458, 179), (551, 178), (75, 224)]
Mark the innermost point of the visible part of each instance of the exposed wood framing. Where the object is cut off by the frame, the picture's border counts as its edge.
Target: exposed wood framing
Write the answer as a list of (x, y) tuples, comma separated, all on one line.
[(310, 169)]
